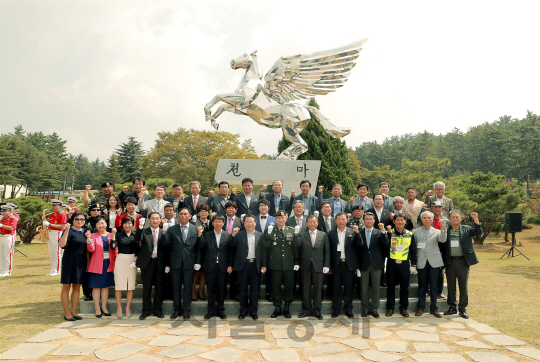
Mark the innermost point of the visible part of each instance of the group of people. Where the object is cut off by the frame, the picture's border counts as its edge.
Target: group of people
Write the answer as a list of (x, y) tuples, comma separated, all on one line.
[(297, 245)]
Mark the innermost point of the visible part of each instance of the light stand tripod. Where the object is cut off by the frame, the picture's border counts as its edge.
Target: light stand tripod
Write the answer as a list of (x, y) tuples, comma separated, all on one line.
[(510, 251)]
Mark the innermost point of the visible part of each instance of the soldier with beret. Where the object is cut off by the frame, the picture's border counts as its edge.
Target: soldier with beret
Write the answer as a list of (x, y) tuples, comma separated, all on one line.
[(283, 260), (55, 224)]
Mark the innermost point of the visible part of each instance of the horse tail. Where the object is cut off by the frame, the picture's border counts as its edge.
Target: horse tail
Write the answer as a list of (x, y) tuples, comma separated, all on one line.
[(329, 127)]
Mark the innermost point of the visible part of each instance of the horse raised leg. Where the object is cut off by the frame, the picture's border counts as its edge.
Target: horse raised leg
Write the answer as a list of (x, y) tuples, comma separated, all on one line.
[(331, 129), (298, 147), (231, 99)]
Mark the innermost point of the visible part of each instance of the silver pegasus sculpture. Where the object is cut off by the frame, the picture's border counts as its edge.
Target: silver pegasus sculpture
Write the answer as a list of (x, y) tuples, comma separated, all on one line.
[(270, 100)]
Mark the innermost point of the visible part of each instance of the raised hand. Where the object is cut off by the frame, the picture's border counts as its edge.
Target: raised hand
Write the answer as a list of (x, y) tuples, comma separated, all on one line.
[(409, 215), (293, 192), (125, 188), (113, 231), (210, 192), (429, 192), (381, 226), (388, 228), (321, 188), (88, 187), (201, 229), (235, 231), (355, 228)]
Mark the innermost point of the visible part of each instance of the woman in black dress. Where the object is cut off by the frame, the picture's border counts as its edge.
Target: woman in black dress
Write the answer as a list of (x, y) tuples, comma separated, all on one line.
[(73, 241), (125, 271)]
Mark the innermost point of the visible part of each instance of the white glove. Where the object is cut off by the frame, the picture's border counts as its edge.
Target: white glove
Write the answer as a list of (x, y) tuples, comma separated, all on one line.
[(270, 228), (165, 227), (137, 209), (297, 229), (132, 265), (46, 223), (194, 218), (358, 274), (197, 267), (242, 217), (142, 220), (316, 213), (413, 270), (1, 225), (167, 270), (296, 267), (325, 270)]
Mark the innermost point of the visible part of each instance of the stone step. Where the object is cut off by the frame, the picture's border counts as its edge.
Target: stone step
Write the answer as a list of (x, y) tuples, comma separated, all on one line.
[(232, 307)]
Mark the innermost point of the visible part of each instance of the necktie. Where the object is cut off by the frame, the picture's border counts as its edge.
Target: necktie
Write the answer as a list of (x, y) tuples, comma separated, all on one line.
[(298, 221), (229, 225), (312, 238), (368, 237), (328, 227), (155, 232), (195, 202), (159, 207), (184, 232), (263, 217)]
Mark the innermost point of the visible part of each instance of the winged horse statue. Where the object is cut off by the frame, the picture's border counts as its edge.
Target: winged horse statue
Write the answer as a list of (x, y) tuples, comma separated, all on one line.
[(270, 101)]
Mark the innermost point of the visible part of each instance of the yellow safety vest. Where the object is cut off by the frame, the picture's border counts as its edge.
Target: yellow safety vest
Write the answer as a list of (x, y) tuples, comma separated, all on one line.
[(399, 241)]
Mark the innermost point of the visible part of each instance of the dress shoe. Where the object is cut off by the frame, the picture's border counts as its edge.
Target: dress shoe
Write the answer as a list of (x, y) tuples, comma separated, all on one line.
[(383, 284), (318, 315), (419, 312), (186, 315), (254, 316), (404, 313), (175, 315), (202, 298), (389, 313), (435, 313), (222, 315), (375, 314), (107, 314), (364, 314), (72, 319), (77, 317), (277, 313), (99, 315), (441, 296), (159, 314), (349, 314), (302, 315), (144, 315), (242, 315), (193, 300), (209, 315), (463, 314), (119, 316), (335, 314), (269, 297), (450, 311), (128, 315), (286, 312)]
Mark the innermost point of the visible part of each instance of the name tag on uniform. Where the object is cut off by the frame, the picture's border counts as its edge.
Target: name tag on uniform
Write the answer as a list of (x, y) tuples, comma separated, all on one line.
[(340, 248), (421, 245), (454, 243), (400, 248)]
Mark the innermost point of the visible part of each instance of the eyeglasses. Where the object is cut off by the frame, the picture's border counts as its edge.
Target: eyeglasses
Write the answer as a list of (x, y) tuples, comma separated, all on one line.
[(78, 219)]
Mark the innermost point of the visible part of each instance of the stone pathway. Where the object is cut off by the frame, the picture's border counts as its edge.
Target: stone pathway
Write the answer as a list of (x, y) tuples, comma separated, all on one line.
[(421, 339)]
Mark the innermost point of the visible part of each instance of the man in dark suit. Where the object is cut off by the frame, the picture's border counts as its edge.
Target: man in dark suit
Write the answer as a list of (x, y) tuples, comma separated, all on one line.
[(177, 199), (152, 262), (388, 201), (248, 202), (311, 203), (298, 218), (458, 256), (336, 202), (278, 201), (217, 203), (343, 264), (216, 264), (185, 259), (195, 198), (372, 263), (232, 222), (326, 220), (314, 251), (249, 262), (263, 222), (382, 215)]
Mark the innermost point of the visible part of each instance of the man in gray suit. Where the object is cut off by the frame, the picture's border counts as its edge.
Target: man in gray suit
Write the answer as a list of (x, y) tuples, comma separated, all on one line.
[(217, 203), (362, 199), (440, 189), (336, 202), (195, 198), (428, 257), (384, 189), (155, 205), (185, 259), (298, 219), (314, 249), (247, 202), (311, 203)]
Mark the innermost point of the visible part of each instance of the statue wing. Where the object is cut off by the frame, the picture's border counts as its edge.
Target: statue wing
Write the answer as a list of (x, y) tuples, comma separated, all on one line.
[(304, 76)]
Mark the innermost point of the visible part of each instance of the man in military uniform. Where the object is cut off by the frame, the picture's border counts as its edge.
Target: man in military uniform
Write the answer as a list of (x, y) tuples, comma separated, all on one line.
[(8, 225), (55, 225), (402, 251), (356, 218), (283, 261), (107, 189)]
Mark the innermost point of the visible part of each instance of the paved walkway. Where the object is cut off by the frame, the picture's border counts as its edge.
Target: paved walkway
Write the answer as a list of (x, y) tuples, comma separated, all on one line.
[(422, 339)]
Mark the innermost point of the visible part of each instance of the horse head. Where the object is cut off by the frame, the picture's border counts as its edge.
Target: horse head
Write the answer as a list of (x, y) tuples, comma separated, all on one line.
[(244, 61)]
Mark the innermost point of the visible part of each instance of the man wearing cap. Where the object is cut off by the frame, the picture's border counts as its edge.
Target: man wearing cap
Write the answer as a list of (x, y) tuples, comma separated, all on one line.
[(55, 225), (107, 189), (283, 261), (356, 218), (311, 203), (8, 225), (72, 205)]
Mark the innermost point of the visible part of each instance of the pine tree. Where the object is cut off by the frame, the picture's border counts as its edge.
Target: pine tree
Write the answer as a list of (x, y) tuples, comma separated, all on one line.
[(333, 152), (112, 171), (128, 156)]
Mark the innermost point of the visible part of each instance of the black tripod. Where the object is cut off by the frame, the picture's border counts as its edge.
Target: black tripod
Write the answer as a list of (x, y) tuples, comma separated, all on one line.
[(510, 251)]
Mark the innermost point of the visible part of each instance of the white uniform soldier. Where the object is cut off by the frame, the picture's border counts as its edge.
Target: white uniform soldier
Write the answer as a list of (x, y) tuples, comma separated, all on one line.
[(55, 225), (8, 225)]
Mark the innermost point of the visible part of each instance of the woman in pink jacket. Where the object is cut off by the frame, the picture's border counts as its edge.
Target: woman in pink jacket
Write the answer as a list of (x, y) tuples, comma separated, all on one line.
[(100, 270)]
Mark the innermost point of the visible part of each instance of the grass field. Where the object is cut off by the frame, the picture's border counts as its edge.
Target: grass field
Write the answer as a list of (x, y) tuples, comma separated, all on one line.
[(502, 293)]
